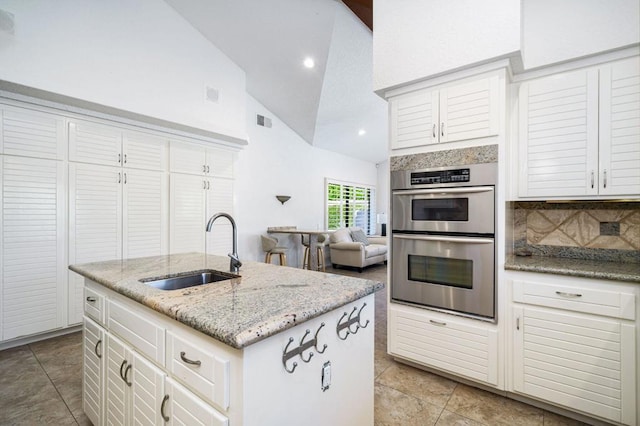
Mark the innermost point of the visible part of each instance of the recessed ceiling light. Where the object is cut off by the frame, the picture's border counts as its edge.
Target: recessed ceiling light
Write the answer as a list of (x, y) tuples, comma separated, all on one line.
[(361, 132), (309, 62)]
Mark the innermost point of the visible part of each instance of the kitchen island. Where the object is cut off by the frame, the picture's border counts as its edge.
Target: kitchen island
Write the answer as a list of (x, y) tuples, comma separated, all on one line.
[(275, 345)]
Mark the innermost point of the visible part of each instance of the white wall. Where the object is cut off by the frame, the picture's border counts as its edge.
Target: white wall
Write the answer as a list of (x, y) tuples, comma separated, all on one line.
[(134, 55), (278, 162), (414, 39), (382, 193), (555, 31)]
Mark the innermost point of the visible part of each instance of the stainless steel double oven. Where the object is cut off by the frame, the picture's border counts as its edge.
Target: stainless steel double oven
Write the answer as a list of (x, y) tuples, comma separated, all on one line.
[(443, 238)]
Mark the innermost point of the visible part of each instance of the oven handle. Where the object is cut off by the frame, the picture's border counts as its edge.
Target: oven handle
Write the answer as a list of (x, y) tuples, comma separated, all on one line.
[(467, 190), (461, 240)]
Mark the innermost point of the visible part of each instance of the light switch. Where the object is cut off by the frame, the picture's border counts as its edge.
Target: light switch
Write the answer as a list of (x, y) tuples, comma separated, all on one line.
[(326, 375)]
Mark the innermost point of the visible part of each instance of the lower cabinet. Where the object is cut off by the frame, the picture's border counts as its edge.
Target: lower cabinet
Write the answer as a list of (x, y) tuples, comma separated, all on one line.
[(93, 371), (574, 345), (181, 407), (460, 346)]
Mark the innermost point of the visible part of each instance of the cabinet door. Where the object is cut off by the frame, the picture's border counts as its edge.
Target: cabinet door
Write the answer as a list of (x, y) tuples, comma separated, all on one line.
[(219, 162), (93, 371), (187, 158), (582, 362), (620, 128), (184, 408), (187, 212), (144, 151), (31, 133), (94, 143), (219, 195), (32, 245), (559, 135), (147, 392), (470, 110), (117, 382), (145, 213), (414, 119), (95, 223)]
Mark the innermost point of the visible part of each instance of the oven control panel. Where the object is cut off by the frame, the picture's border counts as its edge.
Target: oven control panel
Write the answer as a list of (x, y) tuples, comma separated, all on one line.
[(440, 176)]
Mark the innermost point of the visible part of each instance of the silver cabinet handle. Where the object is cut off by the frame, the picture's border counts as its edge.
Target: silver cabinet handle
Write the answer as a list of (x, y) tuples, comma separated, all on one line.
[(124, 362), (208, 185), (98, 344), (518, 323), (125, 159), (125, 178), (204, 184), (605, 178), (126, 375), (563, 294), (91, 299), (204, 168), (433, 132), (119, 177), (119, 158), (441, 324), (208, 169), (164, 402), (442, 129), (592, 179), (189, 361)]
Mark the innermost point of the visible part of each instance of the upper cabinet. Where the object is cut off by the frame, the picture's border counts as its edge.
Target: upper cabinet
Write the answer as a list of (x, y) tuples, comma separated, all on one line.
[(452, 113), (28, 133), (200, 160), (579, 133)]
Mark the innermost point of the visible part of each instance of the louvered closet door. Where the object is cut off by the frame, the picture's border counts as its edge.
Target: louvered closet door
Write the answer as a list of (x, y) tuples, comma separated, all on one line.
[(583, 362), (94, 143), (559, 135), (144, 151), (93, 370), (95, 223), (31, 133), (117, 393), (187, 213), (147, 392), (220, 163), (470, 110), (414, 119), (33, 243), (187, 158), (620, 128), (220, 199), (145, 213)]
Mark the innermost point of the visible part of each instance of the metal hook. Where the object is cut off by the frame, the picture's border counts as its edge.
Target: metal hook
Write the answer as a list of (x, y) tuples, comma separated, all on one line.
[(340, 326), (355, 320), (302, 347), (285, 358), (366, 323), (324, 347)]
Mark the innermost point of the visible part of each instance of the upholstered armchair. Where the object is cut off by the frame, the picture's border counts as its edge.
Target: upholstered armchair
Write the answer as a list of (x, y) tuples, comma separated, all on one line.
[(351, 247)]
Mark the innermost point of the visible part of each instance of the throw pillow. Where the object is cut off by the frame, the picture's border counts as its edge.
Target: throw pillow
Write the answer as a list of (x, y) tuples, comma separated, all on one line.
[(359, 237)]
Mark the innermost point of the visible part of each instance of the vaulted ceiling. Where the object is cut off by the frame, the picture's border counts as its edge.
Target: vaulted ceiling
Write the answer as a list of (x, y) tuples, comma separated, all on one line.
[(331, 106)]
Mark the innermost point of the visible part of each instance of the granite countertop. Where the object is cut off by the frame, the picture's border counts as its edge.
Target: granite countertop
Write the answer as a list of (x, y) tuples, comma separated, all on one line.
[(265, 300), (575, 267)]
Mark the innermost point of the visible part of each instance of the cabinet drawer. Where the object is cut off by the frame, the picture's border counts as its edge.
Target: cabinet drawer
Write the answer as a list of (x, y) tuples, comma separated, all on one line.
[(139, 331), (613, 303), (94, 305), (450, 345), (194, 362)]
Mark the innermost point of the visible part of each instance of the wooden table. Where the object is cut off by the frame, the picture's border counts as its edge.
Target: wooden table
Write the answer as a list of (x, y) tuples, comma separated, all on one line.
[(313, 241)]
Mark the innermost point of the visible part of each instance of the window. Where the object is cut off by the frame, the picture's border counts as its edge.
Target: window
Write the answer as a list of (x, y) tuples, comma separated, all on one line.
[(350, 204)]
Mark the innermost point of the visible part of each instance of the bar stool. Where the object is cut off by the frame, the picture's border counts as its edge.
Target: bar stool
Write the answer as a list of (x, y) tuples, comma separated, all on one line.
[(322, 241), (270, 247)]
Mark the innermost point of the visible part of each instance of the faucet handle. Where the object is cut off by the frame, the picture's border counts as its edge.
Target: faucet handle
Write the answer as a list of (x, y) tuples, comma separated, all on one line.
[(235, 259)]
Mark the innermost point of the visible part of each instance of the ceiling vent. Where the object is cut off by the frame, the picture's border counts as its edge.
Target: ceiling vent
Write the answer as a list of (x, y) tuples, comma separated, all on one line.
[(7, 24), (264, 121), (212, 94)]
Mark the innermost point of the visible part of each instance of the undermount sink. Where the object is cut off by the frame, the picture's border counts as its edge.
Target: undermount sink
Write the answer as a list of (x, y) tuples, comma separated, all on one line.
[(188, 279)]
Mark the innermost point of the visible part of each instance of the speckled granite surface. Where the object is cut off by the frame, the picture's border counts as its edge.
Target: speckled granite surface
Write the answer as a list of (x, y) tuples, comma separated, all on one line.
[(575, 267), (449, 157), (264, 301)]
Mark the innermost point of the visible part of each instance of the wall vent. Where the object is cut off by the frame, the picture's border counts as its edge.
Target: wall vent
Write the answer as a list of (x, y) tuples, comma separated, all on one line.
[(7, 22), (263, 121), (212, 94)]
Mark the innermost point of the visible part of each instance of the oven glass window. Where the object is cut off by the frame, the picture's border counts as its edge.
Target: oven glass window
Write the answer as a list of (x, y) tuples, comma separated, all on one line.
[(441, 270), (440, 209)]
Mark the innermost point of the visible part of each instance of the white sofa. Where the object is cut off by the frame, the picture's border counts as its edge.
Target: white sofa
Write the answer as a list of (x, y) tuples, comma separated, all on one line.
[(344, 251)]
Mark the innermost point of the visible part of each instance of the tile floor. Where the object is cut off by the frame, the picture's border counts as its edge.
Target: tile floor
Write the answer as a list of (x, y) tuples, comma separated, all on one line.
[(41, 384)]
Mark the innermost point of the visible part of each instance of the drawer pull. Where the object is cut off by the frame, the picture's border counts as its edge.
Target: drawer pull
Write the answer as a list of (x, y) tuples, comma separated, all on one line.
[(441, 324), (189, 361), (98, 345), (91, 299), (164, 402), (563, 294), (126, 374), (124, 362)]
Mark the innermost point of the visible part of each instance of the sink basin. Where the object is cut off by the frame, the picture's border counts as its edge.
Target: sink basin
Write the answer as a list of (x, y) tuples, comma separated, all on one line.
[(188, 279)]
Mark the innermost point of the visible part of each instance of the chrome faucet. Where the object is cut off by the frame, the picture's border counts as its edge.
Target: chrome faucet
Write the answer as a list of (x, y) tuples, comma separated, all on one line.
[(234, 264)]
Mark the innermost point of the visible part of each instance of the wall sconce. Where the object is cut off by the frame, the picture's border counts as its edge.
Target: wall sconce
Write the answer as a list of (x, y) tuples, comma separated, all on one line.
[(283, 198)]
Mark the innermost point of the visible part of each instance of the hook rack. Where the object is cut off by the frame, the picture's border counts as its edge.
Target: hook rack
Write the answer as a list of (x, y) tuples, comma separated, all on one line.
[(351, 320), (313, 343)]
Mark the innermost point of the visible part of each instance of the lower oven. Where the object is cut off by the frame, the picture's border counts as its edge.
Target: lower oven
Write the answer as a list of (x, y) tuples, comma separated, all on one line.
[(447, 272), (443, 239)]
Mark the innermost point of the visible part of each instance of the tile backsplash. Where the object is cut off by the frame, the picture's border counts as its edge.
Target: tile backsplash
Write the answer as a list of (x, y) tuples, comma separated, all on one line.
[(602, 230)]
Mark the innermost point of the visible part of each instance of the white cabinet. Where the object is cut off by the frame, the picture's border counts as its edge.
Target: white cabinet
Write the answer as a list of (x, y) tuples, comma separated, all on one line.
[(574, 344), (32, 246), (93, 344), (452, 113), (462, 347), (200, 160), (28, 133), (580, 133), (184, 408)]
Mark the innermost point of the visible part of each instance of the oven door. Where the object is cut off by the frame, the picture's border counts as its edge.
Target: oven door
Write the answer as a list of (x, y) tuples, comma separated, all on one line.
[(445, 272), (464, 209)]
